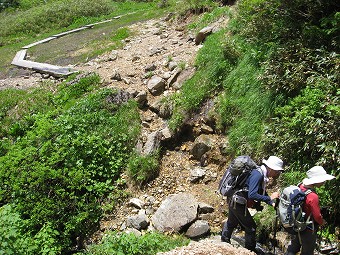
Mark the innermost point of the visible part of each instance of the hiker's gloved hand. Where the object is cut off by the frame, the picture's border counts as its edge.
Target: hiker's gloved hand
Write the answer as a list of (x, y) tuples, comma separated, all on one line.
[(273, 197)]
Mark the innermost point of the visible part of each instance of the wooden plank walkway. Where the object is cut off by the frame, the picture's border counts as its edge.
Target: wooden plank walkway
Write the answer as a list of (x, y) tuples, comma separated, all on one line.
[(71, 31), (58, 71), (39, 42)]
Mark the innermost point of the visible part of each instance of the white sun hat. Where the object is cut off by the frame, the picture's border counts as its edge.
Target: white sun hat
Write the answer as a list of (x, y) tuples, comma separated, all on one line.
[(317, 174), (274, 163)]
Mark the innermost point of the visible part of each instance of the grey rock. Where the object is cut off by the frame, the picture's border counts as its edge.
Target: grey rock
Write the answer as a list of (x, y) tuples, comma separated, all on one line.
[(156, 85), (204, 208), (196, 174), (152, 143), (137, 203), (175, 213), (139, 222), (198, 229), (200, 37), (201, 145)]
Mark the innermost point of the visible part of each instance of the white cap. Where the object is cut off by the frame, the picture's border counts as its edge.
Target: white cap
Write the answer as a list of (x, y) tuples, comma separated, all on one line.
[(274, 163), (317, 174)]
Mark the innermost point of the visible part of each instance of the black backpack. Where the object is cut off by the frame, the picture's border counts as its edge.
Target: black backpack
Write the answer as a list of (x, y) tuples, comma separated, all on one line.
[(236, 175)]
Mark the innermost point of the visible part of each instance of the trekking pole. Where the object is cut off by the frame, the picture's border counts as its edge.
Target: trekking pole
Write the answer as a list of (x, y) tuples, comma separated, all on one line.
[(275, 229), (319, 240), (275, 224)]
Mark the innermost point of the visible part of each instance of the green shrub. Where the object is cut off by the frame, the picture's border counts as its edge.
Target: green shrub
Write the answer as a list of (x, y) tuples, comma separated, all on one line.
[(130, 244), (60, 171), (143, 169), (13, 237), (5, 4), (308, 125), (281, 22), (265, 220), (74, 88), (292, 68), (195, 6)]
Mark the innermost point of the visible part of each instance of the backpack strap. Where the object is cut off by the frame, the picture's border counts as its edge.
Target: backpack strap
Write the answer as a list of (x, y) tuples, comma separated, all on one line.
[(258, 168), (308, 191), (309, 219)]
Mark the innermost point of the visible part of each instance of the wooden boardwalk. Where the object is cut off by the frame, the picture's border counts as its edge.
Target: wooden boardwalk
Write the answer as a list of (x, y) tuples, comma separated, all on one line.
[(57, 71)]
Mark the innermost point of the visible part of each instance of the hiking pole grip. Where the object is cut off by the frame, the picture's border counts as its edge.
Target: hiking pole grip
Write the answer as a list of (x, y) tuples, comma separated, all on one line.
[(277, 200)]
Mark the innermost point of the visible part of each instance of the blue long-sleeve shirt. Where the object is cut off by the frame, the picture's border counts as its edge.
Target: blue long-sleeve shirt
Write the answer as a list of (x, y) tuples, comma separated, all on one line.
[(254, 184)]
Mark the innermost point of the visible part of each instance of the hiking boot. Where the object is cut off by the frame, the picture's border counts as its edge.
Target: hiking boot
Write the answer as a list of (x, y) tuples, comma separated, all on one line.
[(225, 239)]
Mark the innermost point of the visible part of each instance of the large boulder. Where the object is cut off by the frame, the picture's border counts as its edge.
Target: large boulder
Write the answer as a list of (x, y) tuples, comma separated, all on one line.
[(175, 213)]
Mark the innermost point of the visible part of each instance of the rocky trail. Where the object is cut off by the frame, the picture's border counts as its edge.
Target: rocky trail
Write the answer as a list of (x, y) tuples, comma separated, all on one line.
[(165, 50)]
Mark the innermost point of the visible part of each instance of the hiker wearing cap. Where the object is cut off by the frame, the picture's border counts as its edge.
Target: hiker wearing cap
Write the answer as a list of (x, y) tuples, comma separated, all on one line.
[(254, 193), (306, 240)]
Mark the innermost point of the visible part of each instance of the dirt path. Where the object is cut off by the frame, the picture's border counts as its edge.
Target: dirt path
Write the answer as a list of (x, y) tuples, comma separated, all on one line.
[(157, 43)]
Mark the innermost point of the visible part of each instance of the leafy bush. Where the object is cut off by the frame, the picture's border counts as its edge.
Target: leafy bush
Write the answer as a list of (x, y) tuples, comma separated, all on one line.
[(308, 125), (292, 68), (13, 239), (275, 22), (130, 244), (195, 6), (60, 171), (4, 4), (265, 221)]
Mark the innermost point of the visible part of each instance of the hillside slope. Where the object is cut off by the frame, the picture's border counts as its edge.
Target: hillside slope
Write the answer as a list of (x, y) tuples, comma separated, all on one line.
[(157, 43)]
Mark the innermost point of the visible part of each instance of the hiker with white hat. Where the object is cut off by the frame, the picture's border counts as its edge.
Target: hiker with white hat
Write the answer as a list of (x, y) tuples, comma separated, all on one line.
[(253, 194), (306, 240)]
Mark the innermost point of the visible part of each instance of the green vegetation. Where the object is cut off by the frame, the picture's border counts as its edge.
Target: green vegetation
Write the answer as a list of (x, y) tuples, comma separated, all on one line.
[(58, 168), (265, 220), (212, 67), (130, 244), (143, 169), (37, 20), (276, 71)]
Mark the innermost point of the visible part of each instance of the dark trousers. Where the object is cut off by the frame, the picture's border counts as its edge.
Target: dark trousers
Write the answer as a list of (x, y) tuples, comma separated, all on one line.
[(239, 214), (307, 244)]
